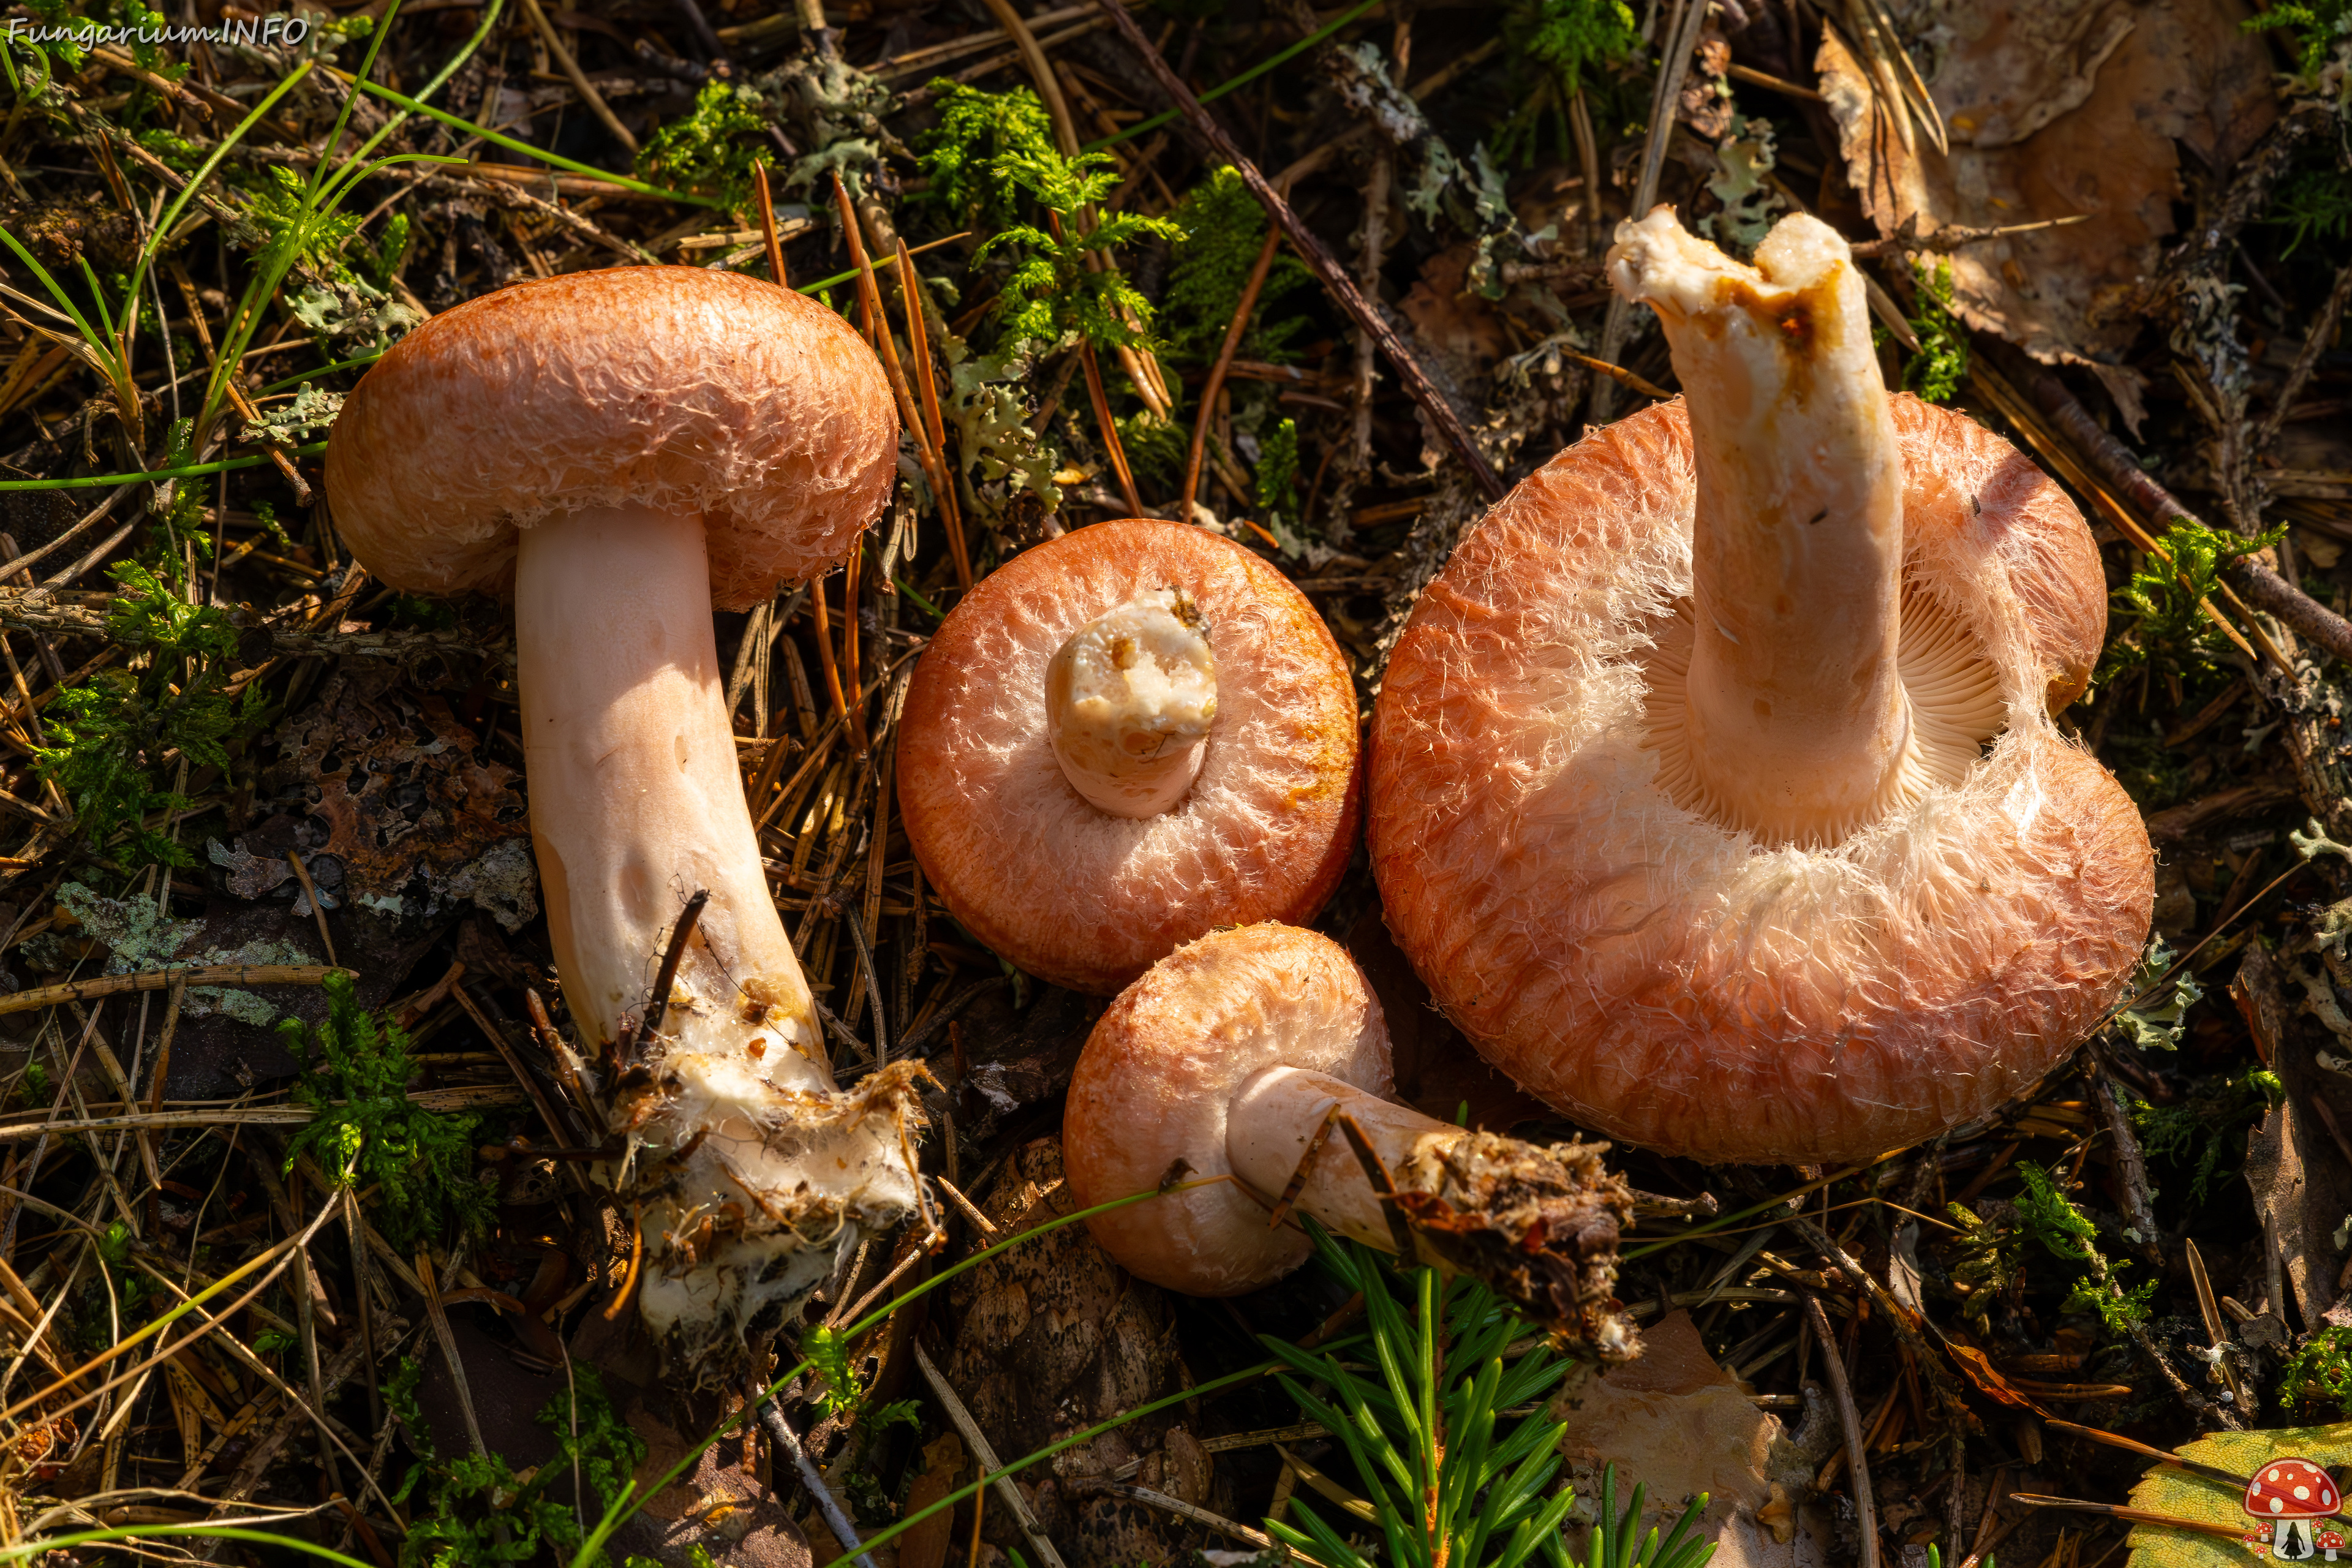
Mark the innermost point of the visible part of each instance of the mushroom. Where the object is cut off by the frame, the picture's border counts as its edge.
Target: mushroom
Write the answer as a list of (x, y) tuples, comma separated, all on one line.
[(1258, 1052), (1714, 790), (623, 450), (1121, 740), (2289, 1494)]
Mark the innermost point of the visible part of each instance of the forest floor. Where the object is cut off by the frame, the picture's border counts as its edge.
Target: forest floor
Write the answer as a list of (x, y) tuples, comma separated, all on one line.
[(2114, 237)]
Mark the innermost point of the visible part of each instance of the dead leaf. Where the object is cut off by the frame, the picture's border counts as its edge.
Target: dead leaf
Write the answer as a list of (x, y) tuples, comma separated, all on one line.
[(926, 1545), (2301, 1183), (1457, 328), (395, 789), (1678, 1423), (1979, 1369), (2055, 108)]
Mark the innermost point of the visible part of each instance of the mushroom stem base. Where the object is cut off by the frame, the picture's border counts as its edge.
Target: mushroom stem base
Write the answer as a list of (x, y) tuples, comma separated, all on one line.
[(754, 1191), (1536, 1224)]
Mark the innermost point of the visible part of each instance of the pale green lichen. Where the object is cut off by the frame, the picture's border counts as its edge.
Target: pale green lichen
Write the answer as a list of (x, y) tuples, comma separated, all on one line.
[(140, 938)]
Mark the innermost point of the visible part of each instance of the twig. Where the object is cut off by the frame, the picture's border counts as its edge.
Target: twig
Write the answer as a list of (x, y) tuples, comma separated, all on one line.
[(1618, 373), (768, 222), (1951, 237), (302, 875), (657, 1005), (987, 1228), (1850, 1422), (462, 1099), (2131, 1165), (855, 920), (911, 294), (1111, 443), (1215, 383), (1682, 37), (2133, 1515), (158, 979), (580, 82), (1303, 240), (855, 1309), (909, 416), (920, 1035), (1181, 1509), (2314, 341), (2262, 587), (447, 1337), (1040, 71), (781, 1431), (1006, 1492)]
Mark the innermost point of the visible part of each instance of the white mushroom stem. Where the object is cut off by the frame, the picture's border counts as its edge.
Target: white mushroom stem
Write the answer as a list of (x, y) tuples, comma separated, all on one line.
[(636, 804), (1129, 699), (1537, 1223), (1277, 1112), (1798, 720)]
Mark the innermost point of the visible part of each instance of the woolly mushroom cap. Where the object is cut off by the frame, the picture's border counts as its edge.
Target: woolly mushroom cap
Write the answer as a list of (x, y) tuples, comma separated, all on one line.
[(1715, 789), (1249, 807), (1157, 1083), (1666, 978), (684, 391)]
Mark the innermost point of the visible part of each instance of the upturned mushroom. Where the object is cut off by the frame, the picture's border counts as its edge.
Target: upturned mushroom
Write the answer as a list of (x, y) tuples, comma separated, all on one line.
[(1260, 1055), (621, 451), (1121, 740), (1714, 790)]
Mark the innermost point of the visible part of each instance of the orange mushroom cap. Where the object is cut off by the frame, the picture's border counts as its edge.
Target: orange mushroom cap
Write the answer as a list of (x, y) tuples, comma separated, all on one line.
[(1243, 1079), (1063, 888), (684, 391), (1680, 981)]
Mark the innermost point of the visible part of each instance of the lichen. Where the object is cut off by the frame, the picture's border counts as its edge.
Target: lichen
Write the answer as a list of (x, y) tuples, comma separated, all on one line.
[(140, 938)]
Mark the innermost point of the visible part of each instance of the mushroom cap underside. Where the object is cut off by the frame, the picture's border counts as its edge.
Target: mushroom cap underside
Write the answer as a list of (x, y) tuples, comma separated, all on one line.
[(1067, 891), (1669, 982), (1157, 1076), (673, 388)]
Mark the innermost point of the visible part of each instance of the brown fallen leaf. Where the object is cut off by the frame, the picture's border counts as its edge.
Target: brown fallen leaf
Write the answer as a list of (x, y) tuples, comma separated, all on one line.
[(1674, 1422), (2055, 108), (392, 787)]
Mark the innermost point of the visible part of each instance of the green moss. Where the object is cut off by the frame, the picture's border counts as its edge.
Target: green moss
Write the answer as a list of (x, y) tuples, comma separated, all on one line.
[(2065, 1232), (2318, 1383), (993, 161), (1277, 469), (2205, 1131), (1224, 230), (113, 738), (964, 156), (2319, 28), (709, 151), (475, 1509), (368, 1133), (1936, 371), (2164, 600)]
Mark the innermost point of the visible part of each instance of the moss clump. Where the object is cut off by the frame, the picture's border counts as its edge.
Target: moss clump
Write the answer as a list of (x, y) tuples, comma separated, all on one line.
[(2318, 1382)]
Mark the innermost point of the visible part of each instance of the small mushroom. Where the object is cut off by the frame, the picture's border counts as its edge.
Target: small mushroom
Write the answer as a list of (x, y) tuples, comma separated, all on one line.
[(1260, 1052), (1121, 740), (622, 450), (1714, 790)]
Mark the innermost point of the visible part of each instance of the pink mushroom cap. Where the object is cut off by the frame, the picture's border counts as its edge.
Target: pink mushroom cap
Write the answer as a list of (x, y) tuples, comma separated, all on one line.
[(1068, 891), (676, 389), (1672, 982)]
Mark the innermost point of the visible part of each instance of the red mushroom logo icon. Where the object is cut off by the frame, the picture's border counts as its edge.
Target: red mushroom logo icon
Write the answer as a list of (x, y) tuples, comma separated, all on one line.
[(2289, 1494)]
